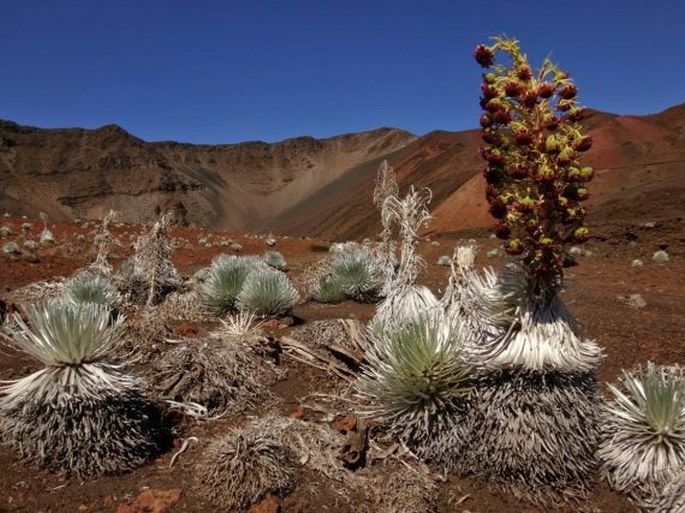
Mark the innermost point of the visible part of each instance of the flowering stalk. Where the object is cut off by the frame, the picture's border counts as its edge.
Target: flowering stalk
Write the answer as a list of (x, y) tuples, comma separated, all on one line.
[(532, 145)]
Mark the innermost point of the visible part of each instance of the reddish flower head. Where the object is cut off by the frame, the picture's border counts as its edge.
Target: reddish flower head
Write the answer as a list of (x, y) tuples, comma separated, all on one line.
[(502, 117), (568, 92), (584, 143), (545, 90), (523, 137), (512, 88), (524, 73), (484, 56)]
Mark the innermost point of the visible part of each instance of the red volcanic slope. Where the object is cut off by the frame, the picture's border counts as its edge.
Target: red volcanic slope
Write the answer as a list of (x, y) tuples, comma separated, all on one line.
[(321, 188)]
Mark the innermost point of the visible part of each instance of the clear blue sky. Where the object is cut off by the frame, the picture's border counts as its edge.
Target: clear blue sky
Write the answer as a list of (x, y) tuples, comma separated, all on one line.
[(228, 71)]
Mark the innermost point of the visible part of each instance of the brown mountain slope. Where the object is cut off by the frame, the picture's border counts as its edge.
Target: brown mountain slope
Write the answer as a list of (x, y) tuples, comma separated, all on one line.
[(320, 188), (639, 163), (244, 187)]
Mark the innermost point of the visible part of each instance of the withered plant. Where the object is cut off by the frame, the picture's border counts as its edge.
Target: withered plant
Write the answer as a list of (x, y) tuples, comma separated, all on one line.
[(153, 275)]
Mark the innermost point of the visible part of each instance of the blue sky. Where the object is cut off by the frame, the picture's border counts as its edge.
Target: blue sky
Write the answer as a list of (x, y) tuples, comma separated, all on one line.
[(227, 71)]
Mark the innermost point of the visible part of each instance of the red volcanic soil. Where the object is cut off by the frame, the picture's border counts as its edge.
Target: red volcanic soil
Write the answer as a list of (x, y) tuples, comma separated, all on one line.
[(593, 291)]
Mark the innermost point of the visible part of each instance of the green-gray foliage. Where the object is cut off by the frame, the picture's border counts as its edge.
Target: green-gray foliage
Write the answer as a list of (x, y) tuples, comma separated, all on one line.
[(225, 281), (328, 290), (267, 293), (274, 259), (357, 273), (643, 429), (417, 384), (88, 288), (80, 413)]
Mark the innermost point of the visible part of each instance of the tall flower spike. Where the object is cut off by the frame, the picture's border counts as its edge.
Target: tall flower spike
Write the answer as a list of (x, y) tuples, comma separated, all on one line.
[(530, 131)]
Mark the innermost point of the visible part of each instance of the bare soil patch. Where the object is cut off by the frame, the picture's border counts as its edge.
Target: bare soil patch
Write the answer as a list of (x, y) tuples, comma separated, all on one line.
[(594, 292)]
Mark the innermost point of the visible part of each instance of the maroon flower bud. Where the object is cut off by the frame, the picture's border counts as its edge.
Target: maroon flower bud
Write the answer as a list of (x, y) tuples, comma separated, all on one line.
[(568, 92), (502, 117), (524, 73), (523, 137), (576, 192), (512, 88), (486, 121), (551, 122), (493, 176), (533, 228), (581, 234), (544, 174), (584, 143), (582, 194), (498, 210), (489, 136), (494, 105), (580, 175), (484, 56), (518, 171), (575, 114), (513, 247), (502, 231), (493, 156), (545, 90), (525, 205), (566, 156), (489, 91), (552, 145), (528, 99), (564, 105)]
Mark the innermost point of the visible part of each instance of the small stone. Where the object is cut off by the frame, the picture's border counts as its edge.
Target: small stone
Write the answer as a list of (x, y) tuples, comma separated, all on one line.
[(637, 263), (444, 260), (435, 243), (269, 504), (344, 423), (492, 253), (637, 301), (660, 257), (649, 224), (575, 251), (297, 413), (152, 501), (663, 245), (634, 300)]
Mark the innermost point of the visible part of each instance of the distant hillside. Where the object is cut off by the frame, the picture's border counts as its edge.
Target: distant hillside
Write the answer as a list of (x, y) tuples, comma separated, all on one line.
[(244, 187), (322, 188)]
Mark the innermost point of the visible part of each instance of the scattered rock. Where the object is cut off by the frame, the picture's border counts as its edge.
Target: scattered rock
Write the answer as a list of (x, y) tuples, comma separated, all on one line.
[(637, 263), (435, 243), (152, 501), (297, 413), (660, 257), (649, 224), (269, 504), (634, 300), (344, 423), (444, 260), (492, 253), (575, 251)]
